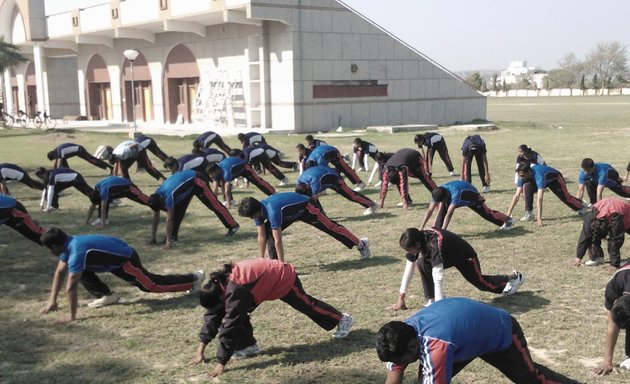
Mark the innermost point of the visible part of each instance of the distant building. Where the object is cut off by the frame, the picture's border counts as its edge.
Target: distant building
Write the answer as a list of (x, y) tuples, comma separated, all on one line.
[(518, 70), (292, 65)]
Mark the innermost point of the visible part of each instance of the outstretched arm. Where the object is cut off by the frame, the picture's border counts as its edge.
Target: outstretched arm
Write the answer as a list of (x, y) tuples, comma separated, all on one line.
[(612, 333), (449, 214), (515, 198), (428, 214)]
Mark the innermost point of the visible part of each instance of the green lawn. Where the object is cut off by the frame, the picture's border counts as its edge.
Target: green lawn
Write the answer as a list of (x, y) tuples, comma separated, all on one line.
[(150, 338)]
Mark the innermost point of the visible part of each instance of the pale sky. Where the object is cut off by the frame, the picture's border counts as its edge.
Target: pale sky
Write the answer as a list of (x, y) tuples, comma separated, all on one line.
[(486, 34)]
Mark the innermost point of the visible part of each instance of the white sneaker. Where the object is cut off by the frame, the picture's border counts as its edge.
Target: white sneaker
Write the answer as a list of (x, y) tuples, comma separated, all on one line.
[(343, 328), (378, 184), (284, 182), (512, 286), (429, 302), (625, 365), (509, 223), (250, 351), (359, 187), (99, 222), (594, 263), (105, 300), (399, 204), (486, 189), (529, 216), (200, 276), (365, 248), (451, 173), (114, 203), (370, 210)]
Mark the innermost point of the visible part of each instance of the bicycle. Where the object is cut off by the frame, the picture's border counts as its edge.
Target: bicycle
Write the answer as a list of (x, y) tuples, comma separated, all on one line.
[(24, 119), (6, 120), (49, 122)]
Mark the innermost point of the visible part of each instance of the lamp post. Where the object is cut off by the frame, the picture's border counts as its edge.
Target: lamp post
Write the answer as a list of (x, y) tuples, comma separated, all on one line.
[(131, 55)]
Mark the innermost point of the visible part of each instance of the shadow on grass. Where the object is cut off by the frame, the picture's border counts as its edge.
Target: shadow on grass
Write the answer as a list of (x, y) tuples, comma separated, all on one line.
[(330, 349), (160, 303), (347, 265), (31, 344), (521, 302), (378, 215), (498, 234)]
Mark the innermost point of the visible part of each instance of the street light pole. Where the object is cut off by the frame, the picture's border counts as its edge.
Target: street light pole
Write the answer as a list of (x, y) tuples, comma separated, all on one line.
[(131, 55)]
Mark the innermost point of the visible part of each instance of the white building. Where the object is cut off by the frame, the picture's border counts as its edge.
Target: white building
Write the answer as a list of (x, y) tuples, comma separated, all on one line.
[(518, 70), (301, 65)]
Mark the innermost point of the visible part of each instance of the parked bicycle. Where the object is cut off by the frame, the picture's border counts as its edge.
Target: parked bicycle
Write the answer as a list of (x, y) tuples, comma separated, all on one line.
[(48, 121), (6, 120), (24, 119)]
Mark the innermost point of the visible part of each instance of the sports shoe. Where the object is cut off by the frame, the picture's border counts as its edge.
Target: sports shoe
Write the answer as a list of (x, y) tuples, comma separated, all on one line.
[(343, 328), (512, 286), (364, 248), (451, 173), (595, 262), (199, 275), (114, 203), (284, 181), (485, 189), (529, 216), (378, 184), (399, 204), (244, 353), (371, 209), (99, 222), (359, 187), (509, 223), (104, 300), (232, 231), (625, 365), (232, 202)]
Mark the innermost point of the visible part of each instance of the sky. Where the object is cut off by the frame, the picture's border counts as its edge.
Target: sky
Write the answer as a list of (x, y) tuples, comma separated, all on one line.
[(464, 35)]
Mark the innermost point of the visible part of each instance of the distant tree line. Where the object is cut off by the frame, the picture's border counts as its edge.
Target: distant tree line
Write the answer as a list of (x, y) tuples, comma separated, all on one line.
[(606, 66)]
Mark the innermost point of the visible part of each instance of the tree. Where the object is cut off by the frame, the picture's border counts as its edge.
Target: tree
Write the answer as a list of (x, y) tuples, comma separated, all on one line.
[(475, 81), (582, 85), (10, 55), (504, 87), (608, 60), (595, 81), (494, 82)]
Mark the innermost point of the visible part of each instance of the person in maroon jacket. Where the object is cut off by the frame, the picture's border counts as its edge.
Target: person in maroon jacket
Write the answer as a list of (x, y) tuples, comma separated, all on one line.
[(396, 170), (237, 289)]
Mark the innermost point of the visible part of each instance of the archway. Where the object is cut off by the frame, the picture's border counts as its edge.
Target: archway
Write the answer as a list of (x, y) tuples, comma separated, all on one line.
[(143, 90), (99, 90), (181, 80)]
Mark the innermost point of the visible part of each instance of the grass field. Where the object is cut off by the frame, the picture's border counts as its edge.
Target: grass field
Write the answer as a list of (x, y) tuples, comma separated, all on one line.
[(150, 338)]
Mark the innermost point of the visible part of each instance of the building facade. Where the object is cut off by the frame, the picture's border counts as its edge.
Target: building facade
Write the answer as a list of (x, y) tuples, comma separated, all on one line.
[(296, 65)]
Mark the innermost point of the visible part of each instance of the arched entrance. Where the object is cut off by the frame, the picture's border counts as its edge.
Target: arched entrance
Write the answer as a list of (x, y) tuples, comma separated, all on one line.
[(143, 91), (181, 79), (31, 90), (99, 90)]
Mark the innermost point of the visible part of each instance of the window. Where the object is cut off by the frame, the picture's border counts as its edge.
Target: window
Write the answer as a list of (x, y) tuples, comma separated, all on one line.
[(163, 5)]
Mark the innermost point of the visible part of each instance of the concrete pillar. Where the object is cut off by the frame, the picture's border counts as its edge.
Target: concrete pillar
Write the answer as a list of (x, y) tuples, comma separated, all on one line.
[(8, 92), (157, 94), (114, 78), (82, 99), (42, 98)]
